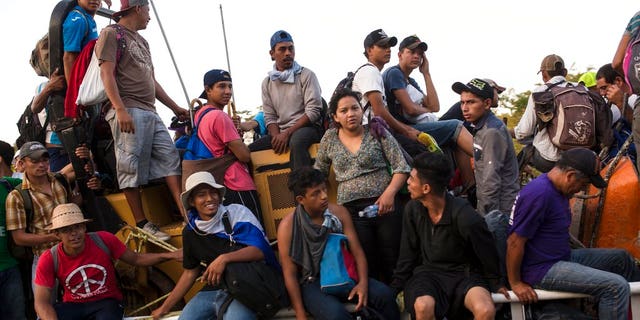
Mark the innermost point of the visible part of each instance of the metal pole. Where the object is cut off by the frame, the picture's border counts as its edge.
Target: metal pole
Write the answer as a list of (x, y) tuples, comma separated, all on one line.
[(184, 89), (226, 49)]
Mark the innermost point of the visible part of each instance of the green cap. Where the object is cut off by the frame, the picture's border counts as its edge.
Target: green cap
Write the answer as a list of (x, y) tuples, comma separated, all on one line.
[(588, 79)]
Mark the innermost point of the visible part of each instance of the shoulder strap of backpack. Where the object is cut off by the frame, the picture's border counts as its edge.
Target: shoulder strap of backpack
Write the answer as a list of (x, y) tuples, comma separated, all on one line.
[(197, 121), (63, 181), (94, 237), (227, 226), (120, 38), (98, 241), (549, 86), (28, 205), (360, 67), (54, 257)]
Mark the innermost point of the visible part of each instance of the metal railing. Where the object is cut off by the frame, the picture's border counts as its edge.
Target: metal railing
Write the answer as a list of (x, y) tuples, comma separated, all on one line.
[(518, 308)]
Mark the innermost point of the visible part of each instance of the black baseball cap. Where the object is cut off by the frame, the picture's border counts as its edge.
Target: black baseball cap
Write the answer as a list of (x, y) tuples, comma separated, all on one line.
[(479, 87), (412, 42), (586, 161), (380, 38)]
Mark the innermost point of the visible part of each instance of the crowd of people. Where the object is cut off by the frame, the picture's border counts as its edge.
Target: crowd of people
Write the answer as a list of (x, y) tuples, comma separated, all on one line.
[(409, 201)]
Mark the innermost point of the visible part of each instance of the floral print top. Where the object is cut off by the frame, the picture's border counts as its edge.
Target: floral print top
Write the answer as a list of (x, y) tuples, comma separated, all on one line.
[(364, 174)]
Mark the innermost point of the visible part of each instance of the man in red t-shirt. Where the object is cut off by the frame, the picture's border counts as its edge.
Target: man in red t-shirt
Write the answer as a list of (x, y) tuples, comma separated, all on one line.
[(82, 265)]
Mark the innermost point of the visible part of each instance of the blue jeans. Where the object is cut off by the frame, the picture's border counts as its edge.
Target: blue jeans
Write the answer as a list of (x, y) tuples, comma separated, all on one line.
[(323, 306), (12, 304), (442, 131), (58, 158), (105, 309), (602, 273), (205, 305), (299, 144)]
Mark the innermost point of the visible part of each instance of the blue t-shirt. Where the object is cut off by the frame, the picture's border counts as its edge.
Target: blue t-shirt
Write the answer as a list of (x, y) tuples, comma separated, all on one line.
[(393, 79), (541, 214), (259, 118), (78, 29)]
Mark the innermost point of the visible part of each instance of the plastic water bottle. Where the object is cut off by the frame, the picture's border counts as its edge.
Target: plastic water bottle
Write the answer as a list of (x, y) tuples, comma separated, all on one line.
[(369, 212)]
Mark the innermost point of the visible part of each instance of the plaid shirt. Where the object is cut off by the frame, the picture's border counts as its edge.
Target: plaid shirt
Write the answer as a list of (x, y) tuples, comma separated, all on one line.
[(43, 205)]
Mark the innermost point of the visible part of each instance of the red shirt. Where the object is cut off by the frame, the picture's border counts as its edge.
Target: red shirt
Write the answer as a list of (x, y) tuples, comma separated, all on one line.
[(216, 130), (89, 276)]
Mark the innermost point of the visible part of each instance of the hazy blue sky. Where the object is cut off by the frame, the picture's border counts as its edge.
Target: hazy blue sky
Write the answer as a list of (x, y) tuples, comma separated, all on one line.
[(503, 40)]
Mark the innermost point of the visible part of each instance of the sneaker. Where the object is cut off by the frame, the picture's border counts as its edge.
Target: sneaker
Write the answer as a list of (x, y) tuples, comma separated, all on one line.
[(154, 230)]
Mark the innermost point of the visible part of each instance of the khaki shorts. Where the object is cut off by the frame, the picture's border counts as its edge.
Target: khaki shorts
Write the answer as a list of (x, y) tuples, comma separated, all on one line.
[(147, 154)]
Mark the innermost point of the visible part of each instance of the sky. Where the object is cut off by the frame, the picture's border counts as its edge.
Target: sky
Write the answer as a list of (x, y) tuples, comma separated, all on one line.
[(504, 40)]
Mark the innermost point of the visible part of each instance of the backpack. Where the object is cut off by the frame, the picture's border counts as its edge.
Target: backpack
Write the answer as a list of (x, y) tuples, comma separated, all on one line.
[(196, 149), (347, 82), (631, 64), (255, 284), (40, 57), (573, 116), (30, 128), (23, 252)]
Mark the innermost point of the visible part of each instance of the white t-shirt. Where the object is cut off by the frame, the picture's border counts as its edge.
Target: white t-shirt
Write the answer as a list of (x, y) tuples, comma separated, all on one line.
[(368, 79), (416, 97)]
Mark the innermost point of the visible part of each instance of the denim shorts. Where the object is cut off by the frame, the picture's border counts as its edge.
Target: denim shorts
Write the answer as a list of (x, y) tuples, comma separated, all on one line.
[(147, 154), (445, 131)]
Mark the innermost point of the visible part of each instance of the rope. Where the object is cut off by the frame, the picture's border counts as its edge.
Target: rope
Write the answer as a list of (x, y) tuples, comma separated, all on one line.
[(612, 166)]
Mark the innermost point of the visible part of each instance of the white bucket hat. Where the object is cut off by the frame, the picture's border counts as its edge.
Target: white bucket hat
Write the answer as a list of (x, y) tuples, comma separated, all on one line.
[(197, 179), (66, 214)]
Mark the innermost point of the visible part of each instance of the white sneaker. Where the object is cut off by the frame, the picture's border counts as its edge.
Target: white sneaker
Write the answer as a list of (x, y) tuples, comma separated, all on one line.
[(154, 230)]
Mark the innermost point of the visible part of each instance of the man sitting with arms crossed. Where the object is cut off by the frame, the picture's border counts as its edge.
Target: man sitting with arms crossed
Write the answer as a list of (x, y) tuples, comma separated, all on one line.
[(82, 265)]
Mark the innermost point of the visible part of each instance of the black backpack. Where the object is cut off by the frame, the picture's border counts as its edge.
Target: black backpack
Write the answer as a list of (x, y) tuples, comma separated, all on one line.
[(255, 284), (347, 82), (30, 128)]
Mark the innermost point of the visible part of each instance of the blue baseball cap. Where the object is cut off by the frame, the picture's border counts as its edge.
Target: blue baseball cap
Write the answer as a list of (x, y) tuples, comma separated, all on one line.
[(213, 76), (280, 36)]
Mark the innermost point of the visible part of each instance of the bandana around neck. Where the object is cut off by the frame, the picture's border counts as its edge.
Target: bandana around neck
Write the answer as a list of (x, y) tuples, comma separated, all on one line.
[(286, 76)]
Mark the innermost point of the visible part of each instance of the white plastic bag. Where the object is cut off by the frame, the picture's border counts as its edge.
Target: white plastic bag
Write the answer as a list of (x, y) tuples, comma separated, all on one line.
[(91, 89)]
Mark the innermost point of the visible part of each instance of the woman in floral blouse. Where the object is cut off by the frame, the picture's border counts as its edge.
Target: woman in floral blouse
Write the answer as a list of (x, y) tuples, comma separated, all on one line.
[(370, 169)]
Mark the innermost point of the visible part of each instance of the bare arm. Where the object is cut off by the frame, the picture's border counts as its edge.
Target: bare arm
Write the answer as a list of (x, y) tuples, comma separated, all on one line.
[(183, 285), (620, 51), (377, 105), (42, 303), (240, 150), (107, 74), (515, 252), (248, 125), (408, 107), (149, 259), (162, 96), (56, 83), (68, 59), (289, 268), (28, 239), (431, 101)]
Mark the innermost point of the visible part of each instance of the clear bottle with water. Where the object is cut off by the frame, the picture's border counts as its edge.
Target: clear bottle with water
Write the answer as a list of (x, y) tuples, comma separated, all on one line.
[(369, 212)]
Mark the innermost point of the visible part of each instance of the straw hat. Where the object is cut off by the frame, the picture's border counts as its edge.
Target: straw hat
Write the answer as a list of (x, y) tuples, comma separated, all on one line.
[(65, 215), (196, 179)]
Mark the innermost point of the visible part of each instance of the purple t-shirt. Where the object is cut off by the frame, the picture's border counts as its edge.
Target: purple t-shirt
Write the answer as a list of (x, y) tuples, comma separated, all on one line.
[(542, 215)]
